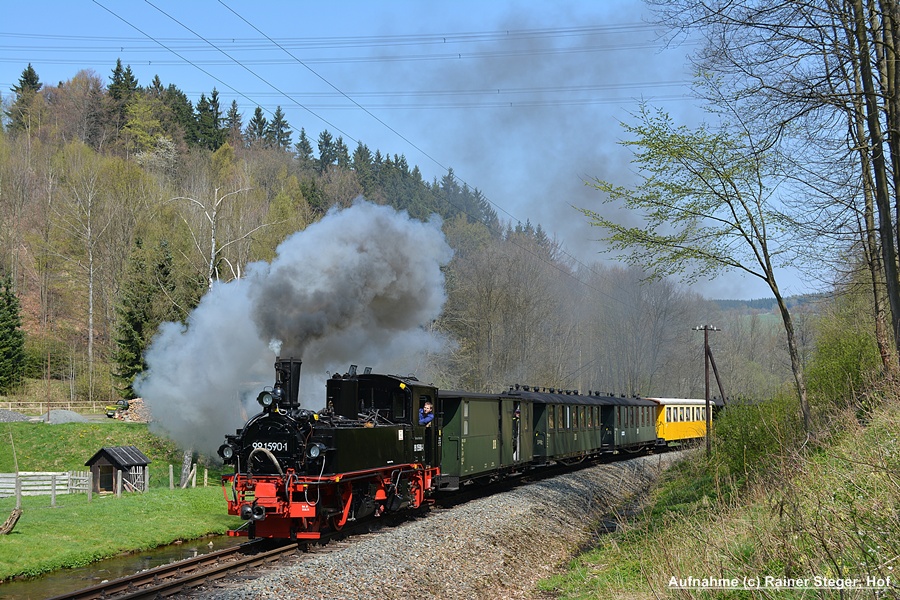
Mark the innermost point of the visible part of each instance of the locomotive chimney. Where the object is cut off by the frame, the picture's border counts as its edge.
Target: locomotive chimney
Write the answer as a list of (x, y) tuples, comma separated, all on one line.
[(287, 375)]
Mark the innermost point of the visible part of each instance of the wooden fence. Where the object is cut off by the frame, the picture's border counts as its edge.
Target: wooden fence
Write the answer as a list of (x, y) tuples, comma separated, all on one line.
[(40, 408), (46, 483)]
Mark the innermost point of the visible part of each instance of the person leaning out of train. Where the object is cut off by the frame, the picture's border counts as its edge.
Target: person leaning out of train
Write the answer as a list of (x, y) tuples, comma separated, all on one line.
[(426, 414)]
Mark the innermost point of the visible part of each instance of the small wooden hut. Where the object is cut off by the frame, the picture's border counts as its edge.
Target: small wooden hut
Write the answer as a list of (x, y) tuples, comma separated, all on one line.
[(107, 463)]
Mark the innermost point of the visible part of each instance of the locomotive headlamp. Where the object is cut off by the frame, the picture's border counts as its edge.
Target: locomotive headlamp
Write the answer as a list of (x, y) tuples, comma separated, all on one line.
[(315, 450), (265, 399), (226, 451)]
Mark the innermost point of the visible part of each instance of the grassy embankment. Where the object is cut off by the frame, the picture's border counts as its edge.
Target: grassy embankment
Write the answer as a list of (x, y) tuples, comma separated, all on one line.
[(799, 510), (76, 532)]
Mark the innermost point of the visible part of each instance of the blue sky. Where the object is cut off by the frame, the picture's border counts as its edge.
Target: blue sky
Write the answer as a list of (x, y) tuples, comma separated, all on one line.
[(523, 99)]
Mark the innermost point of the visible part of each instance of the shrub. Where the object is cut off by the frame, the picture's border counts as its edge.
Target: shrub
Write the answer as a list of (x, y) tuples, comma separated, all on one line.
[(747, 437)]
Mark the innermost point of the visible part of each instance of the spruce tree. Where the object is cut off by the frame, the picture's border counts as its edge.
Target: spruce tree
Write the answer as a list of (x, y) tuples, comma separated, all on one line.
[(278, 132), (234, 126), (122, 88), (150, 297), (256, 129), (183, 111), (303, 148), (26, 91), (12, 340), (327, 151)]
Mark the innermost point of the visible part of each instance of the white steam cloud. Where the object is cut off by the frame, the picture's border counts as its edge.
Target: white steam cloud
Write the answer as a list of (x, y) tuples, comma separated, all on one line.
[(362, 285)]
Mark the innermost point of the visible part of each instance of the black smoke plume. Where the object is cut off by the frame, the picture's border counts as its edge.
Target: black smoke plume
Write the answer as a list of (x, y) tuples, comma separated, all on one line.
[(362, 285)]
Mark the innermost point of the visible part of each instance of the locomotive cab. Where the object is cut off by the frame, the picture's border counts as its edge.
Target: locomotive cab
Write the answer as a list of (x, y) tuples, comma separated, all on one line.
[(386, 401)]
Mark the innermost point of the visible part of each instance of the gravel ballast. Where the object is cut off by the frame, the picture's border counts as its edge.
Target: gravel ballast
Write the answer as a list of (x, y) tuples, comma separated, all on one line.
[(58, 417), (11, 416), (494, 547)]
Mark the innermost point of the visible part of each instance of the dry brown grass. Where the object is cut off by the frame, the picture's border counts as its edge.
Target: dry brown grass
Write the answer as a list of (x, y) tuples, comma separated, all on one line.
[(830, 508)]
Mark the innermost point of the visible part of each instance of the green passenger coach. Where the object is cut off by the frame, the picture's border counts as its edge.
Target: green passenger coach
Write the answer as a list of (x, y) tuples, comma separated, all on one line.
[(483, 435), (488, 435)]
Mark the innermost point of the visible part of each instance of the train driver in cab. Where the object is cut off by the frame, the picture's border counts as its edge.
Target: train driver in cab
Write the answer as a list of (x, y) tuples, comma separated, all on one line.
[(426, 414)]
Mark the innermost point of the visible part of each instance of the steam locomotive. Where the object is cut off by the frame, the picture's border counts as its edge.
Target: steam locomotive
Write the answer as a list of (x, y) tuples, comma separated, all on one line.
[(300, 473)]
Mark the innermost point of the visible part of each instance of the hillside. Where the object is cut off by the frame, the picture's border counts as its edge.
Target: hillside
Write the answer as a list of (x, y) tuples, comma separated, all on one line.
[(819, 515)]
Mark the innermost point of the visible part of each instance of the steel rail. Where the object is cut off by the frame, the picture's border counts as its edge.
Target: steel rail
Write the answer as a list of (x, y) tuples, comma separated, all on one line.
[(169, 579)]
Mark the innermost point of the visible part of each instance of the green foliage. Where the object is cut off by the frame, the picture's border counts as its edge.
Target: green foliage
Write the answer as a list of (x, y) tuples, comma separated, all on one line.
[(142, 125), (278, 131), (77, 532), (304, 149), (64, 447), (150, 297), (210, 133), (12, 339), (327, 151), (255, 134), (702, 197), (180, 115), (846, 355), (47, 356), (748, 437), (123, 89), (27, 100)]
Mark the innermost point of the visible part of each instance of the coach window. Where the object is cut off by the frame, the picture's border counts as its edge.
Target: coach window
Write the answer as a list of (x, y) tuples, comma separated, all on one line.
[(550, 419), (465, 417), (575, 417)]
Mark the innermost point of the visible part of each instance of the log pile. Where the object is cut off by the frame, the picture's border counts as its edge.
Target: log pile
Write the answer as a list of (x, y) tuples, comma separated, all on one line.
[(137, 412)]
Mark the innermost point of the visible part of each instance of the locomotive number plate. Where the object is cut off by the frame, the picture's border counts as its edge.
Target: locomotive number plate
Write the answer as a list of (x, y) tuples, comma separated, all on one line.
[(274, 446)]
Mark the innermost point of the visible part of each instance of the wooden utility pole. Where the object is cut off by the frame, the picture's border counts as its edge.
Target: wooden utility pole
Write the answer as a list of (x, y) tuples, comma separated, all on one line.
[(706, 356)]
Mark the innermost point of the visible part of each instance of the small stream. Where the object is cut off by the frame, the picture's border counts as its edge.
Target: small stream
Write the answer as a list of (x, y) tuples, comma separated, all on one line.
[(71, 580)]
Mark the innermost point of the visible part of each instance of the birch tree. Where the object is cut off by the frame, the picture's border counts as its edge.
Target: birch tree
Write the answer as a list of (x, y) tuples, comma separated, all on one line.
[(708, 203)]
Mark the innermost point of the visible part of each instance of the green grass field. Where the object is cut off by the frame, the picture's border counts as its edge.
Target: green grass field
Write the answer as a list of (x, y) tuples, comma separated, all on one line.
[(77, 532), (67, 446)]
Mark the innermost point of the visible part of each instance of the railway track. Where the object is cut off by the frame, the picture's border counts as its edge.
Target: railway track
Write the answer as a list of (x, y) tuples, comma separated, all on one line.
[(183, 576), (180, 576)]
